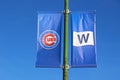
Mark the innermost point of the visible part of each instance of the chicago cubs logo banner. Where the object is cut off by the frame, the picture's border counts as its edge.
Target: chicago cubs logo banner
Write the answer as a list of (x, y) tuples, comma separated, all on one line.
[(83, 39), (49, 40)]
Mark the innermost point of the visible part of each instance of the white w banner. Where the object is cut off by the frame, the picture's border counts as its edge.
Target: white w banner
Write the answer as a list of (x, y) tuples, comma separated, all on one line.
[(84, 46), (83, 38)]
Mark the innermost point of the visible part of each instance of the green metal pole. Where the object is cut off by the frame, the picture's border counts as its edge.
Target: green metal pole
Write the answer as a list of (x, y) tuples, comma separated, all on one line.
[(65, 63)]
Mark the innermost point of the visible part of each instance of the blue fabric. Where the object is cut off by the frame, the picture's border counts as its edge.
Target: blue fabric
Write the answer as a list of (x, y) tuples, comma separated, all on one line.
[(83, 56), (49, 40)]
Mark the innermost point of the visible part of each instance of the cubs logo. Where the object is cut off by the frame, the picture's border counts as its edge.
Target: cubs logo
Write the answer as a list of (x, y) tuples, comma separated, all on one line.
[(49, 39)]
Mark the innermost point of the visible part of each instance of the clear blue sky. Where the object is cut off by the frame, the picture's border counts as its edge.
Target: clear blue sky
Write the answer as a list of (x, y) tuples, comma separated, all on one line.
[(18, 26)]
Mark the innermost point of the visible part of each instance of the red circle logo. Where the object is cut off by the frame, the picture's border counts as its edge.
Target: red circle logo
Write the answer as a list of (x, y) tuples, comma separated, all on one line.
[(49, 39)]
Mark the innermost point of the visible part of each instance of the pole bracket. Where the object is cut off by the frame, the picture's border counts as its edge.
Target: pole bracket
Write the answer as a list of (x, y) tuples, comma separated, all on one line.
[(67, 11), (66, 67)]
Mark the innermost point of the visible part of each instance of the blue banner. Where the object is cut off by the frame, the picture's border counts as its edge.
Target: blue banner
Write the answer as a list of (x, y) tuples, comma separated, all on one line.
[(83, 39), (49, 40)]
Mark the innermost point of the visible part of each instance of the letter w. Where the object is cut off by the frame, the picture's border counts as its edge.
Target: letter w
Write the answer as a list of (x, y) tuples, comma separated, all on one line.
[(83, 37)]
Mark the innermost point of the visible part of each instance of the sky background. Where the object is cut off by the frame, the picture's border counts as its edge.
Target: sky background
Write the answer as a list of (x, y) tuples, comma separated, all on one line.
[(18, 34)]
